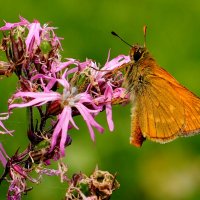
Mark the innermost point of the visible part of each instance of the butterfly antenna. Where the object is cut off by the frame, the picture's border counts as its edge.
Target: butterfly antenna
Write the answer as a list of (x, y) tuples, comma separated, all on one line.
[(115, 34), (145, 34)]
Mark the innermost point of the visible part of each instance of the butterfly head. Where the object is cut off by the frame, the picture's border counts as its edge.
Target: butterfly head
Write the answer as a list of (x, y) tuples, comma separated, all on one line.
[(138, 52)]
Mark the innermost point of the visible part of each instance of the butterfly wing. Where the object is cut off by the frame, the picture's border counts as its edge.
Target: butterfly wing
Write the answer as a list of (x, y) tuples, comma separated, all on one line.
[(190, 102), (164, 110), (191, 112)]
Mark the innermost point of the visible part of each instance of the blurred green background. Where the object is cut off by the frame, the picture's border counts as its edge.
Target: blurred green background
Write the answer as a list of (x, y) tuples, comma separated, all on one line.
[(155, 171)]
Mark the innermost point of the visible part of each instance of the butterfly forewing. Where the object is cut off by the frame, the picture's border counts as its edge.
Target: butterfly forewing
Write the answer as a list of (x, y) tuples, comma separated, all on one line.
[(189, 101), (165, 111), (191, 110)]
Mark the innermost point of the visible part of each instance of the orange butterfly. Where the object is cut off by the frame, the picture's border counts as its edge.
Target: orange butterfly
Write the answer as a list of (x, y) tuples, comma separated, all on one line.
[(162, 109)]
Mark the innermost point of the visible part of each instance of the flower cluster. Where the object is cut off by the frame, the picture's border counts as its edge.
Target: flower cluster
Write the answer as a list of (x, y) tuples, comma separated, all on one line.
[(58, 90)]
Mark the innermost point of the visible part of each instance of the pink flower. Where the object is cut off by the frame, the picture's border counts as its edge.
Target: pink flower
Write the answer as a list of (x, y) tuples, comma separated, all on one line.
[(58, 90), (109, 92), (107, 85), (36, 34), (9, 26), (68, 99), (18, 183), (33, 39)]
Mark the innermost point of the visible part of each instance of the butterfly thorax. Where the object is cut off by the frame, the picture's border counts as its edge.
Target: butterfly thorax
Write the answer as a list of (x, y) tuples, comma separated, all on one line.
[(136, 77)]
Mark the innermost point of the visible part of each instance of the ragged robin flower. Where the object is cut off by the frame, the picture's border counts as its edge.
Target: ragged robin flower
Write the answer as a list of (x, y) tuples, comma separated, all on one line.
[(58, 90)]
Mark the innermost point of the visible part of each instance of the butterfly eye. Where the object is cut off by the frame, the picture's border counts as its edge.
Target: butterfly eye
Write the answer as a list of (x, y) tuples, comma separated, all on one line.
[(139, 53)]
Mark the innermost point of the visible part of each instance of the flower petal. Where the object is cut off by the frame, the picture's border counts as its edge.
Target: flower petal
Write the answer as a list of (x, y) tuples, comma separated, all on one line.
[(89, 120)]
